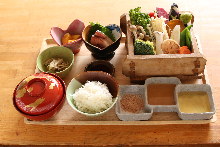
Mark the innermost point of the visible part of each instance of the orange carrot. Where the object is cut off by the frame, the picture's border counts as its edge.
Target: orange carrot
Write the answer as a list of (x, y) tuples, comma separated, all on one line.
[(184, 50)]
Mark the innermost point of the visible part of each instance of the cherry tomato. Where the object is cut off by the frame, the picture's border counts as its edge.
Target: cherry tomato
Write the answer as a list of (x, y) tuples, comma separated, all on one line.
[(151, 14)]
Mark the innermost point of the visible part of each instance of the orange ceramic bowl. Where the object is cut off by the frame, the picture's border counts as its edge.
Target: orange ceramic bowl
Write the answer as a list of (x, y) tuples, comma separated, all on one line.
[(39, 96)]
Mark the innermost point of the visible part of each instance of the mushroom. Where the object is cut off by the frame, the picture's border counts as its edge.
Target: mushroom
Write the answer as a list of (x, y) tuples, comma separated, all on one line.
[(139, 32), (146, 37), (141, 36), (149, 27), (133, 29), (56, 64), (142, 29)]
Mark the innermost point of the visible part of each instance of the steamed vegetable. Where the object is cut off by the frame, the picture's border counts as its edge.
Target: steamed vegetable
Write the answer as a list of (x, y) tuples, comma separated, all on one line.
[(186, 17), (139, 18), (170, 46), (67, 38), (185, 37), (162, 13), (159, 25), (188, 39), (138, 32), (143, 47), (174, 12), (159, 40), (184, 50), (97, 26), (56, 64), (175, 34), (172, 23), (152, 14)]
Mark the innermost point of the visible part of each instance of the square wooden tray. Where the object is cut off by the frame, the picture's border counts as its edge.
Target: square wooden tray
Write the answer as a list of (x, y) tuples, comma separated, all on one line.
[(179, 65), (67, 116)]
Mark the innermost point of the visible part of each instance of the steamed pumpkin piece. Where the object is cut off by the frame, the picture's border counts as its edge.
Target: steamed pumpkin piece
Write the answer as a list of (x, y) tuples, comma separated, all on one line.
[(67, 38), (173, 23)]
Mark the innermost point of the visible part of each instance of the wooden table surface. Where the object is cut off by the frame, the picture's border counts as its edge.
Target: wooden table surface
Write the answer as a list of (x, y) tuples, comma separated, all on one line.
[(24, 24)]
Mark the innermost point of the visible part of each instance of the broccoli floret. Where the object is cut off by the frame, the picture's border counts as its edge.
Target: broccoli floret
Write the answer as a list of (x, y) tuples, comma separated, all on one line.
[(186, 17), (97, 26), (143, 47)]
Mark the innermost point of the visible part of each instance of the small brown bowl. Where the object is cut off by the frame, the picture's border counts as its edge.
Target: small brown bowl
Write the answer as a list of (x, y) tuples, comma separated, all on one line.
[(101, 65), (108, 52)]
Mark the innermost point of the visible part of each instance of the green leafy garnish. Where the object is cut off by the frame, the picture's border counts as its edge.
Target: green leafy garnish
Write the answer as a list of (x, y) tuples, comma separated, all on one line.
[(97, 26), (139, 18)]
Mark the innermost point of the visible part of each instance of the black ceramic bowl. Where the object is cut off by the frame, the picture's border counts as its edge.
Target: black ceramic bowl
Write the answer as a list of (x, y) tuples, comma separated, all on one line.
[(101, 65), (108, 52)]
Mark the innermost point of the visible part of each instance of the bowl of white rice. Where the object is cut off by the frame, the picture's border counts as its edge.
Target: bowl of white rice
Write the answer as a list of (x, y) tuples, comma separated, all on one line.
[(92, 93)]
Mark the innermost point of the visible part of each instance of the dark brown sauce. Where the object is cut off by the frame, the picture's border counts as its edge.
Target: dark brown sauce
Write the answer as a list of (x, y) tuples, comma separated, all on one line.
[(161, 94), (100, 68)]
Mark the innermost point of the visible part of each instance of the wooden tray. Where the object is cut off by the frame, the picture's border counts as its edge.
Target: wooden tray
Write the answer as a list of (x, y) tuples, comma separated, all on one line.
[(67, 116)]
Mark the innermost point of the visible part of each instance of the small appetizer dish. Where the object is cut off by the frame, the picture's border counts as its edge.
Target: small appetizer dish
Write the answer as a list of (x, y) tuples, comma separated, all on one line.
[(102, 41), (39, 96), (165, 94), (160, 93), (71, 37), (160, 90), (194, 101), (101, 65), (58, 60), (92, 93), (131, 103)]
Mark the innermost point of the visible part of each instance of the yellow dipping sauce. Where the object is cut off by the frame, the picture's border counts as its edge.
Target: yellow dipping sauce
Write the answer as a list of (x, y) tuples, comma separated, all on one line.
[(194, 102)]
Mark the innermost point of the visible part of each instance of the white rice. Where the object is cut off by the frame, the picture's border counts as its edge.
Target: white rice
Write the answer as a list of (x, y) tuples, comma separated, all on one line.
[(93, 97)]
